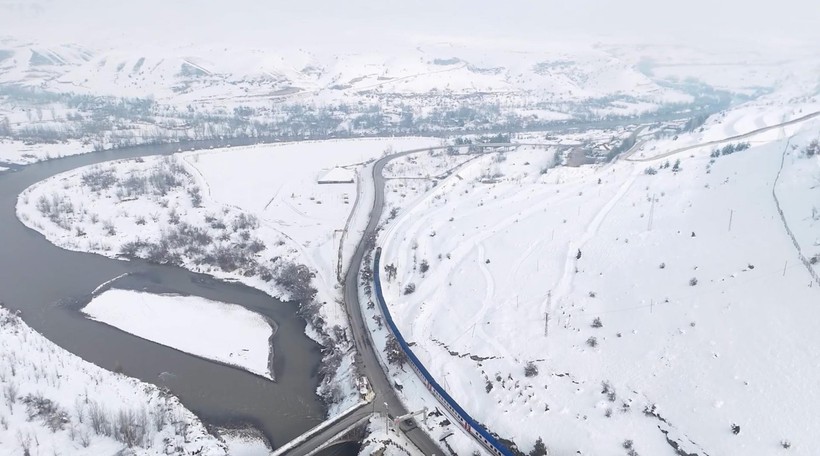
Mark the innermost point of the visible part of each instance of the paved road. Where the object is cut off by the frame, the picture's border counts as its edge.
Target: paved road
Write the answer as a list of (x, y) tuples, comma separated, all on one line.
[(368, 357), (718, 141), (369, 360)]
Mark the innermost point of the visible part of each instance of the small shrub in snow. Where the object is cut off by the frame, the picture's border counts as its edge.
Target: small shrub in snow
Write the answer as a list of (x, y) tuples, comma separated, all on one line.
[(489, 386), (540, 448), (109, 228), (596, 323), (785, 444), (10, 394), (662, 266), (592, 341), (812, 149), (650, 171), (424, 266), (676, 167), (410, 288), (245, 222), (51, 414), (530, 370), (256, 246), (735, 429), (196, 196), (99, 179), (390, 271), (173, 217), (693, 281)]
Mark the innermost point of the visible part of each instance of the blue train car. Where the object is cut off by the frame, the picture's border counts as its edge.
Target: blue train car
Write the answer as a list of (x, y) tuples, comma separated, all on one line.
[(465, 420)]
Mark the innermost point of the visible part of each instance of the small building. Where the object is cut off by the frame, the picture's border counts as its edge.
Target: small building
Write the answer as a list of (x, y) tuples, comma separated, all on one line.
[(337, 176)]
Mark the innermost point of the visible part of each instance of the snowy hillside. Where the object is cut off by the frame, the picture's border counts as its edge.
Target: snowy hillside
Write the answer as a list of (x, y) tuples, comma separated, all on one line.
[(634, 306), (210, 75), (56, 403)]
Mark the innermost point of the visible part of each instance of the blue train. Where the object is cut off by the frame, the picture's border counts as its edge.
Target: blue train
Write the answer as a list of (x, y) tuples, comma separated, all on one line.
[(465, 420)]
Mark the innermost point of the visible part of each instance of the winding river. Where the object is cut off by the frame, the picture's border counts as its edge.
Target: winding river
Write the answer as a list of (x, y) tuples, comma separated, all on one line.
[(47, 284)]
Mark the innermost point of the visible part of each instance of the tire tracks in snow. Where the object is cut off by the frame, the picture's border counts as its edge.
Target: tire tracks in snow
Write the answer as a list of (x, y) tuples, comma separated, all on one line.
[(565, 284)]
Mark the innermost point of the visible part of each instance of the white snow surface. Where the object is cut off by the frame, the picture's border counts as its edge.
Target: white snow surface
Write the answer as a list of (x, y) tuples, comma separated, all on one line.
[(18, 152), (277, 183), (31, 365), (728, 348), (219, 331), (336, 175), (245, 445)]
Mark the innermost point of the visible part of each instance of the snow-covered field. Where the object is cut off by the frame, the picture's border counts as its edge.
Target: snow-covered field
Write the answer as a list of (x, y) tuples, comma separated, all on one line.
[(595, 305), (17, 152), (56, 403), (223, 332), (279, 185)]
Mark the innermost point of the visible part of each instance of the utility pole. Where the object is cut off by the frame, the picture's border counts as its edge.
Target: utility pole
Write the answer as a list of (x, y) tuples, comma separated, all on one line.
[(547, 325), (784, 268), (547, 316), (731, 214)]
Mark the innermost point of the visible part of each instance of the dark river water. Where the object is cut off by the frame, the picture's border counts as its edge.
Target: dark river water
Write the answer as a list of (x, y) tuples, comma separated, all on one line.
[(48, 284)]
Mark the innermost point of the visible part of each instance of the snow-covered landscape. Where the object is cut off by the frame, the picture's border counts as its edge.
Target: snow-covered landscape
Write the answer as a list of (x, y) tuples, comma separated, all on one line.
[(54, 402), (585, 301), (222, 332), (600, 229)]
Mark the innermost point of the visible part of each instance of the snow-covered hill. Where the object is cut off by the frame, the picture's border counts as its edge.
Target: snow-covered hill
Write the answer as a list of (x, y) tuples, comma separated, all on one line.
[(625, 306), (207, 74)]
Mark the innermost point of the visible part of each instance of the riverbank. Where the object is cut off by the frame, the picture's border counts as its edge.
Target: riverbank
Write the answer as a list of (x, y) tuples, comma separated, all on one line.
[(53, 401), (70, 277)]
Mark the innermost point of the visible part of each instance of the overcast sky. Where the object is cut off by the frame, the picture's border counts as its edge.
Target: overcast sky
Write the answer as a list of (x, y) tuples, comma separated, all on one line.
[(360, 23)]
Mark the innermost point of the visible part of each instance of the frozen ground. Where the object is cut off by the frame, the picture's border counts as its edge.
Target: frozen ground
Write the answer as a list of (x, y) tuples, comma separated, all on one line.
[(278, 184), (214, 330), (600, 304), (56, 403)]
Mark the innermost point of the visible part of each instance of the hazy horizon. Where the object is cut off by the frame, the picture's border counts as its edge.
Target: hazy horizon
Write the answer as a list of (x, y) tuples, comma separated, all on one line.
[(367, 25)]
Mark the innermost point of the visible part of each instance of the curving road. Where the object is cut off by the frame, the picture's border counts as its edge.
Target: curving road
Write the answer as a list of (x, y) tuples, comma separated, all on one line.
[(628, 155), (368, 358)]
